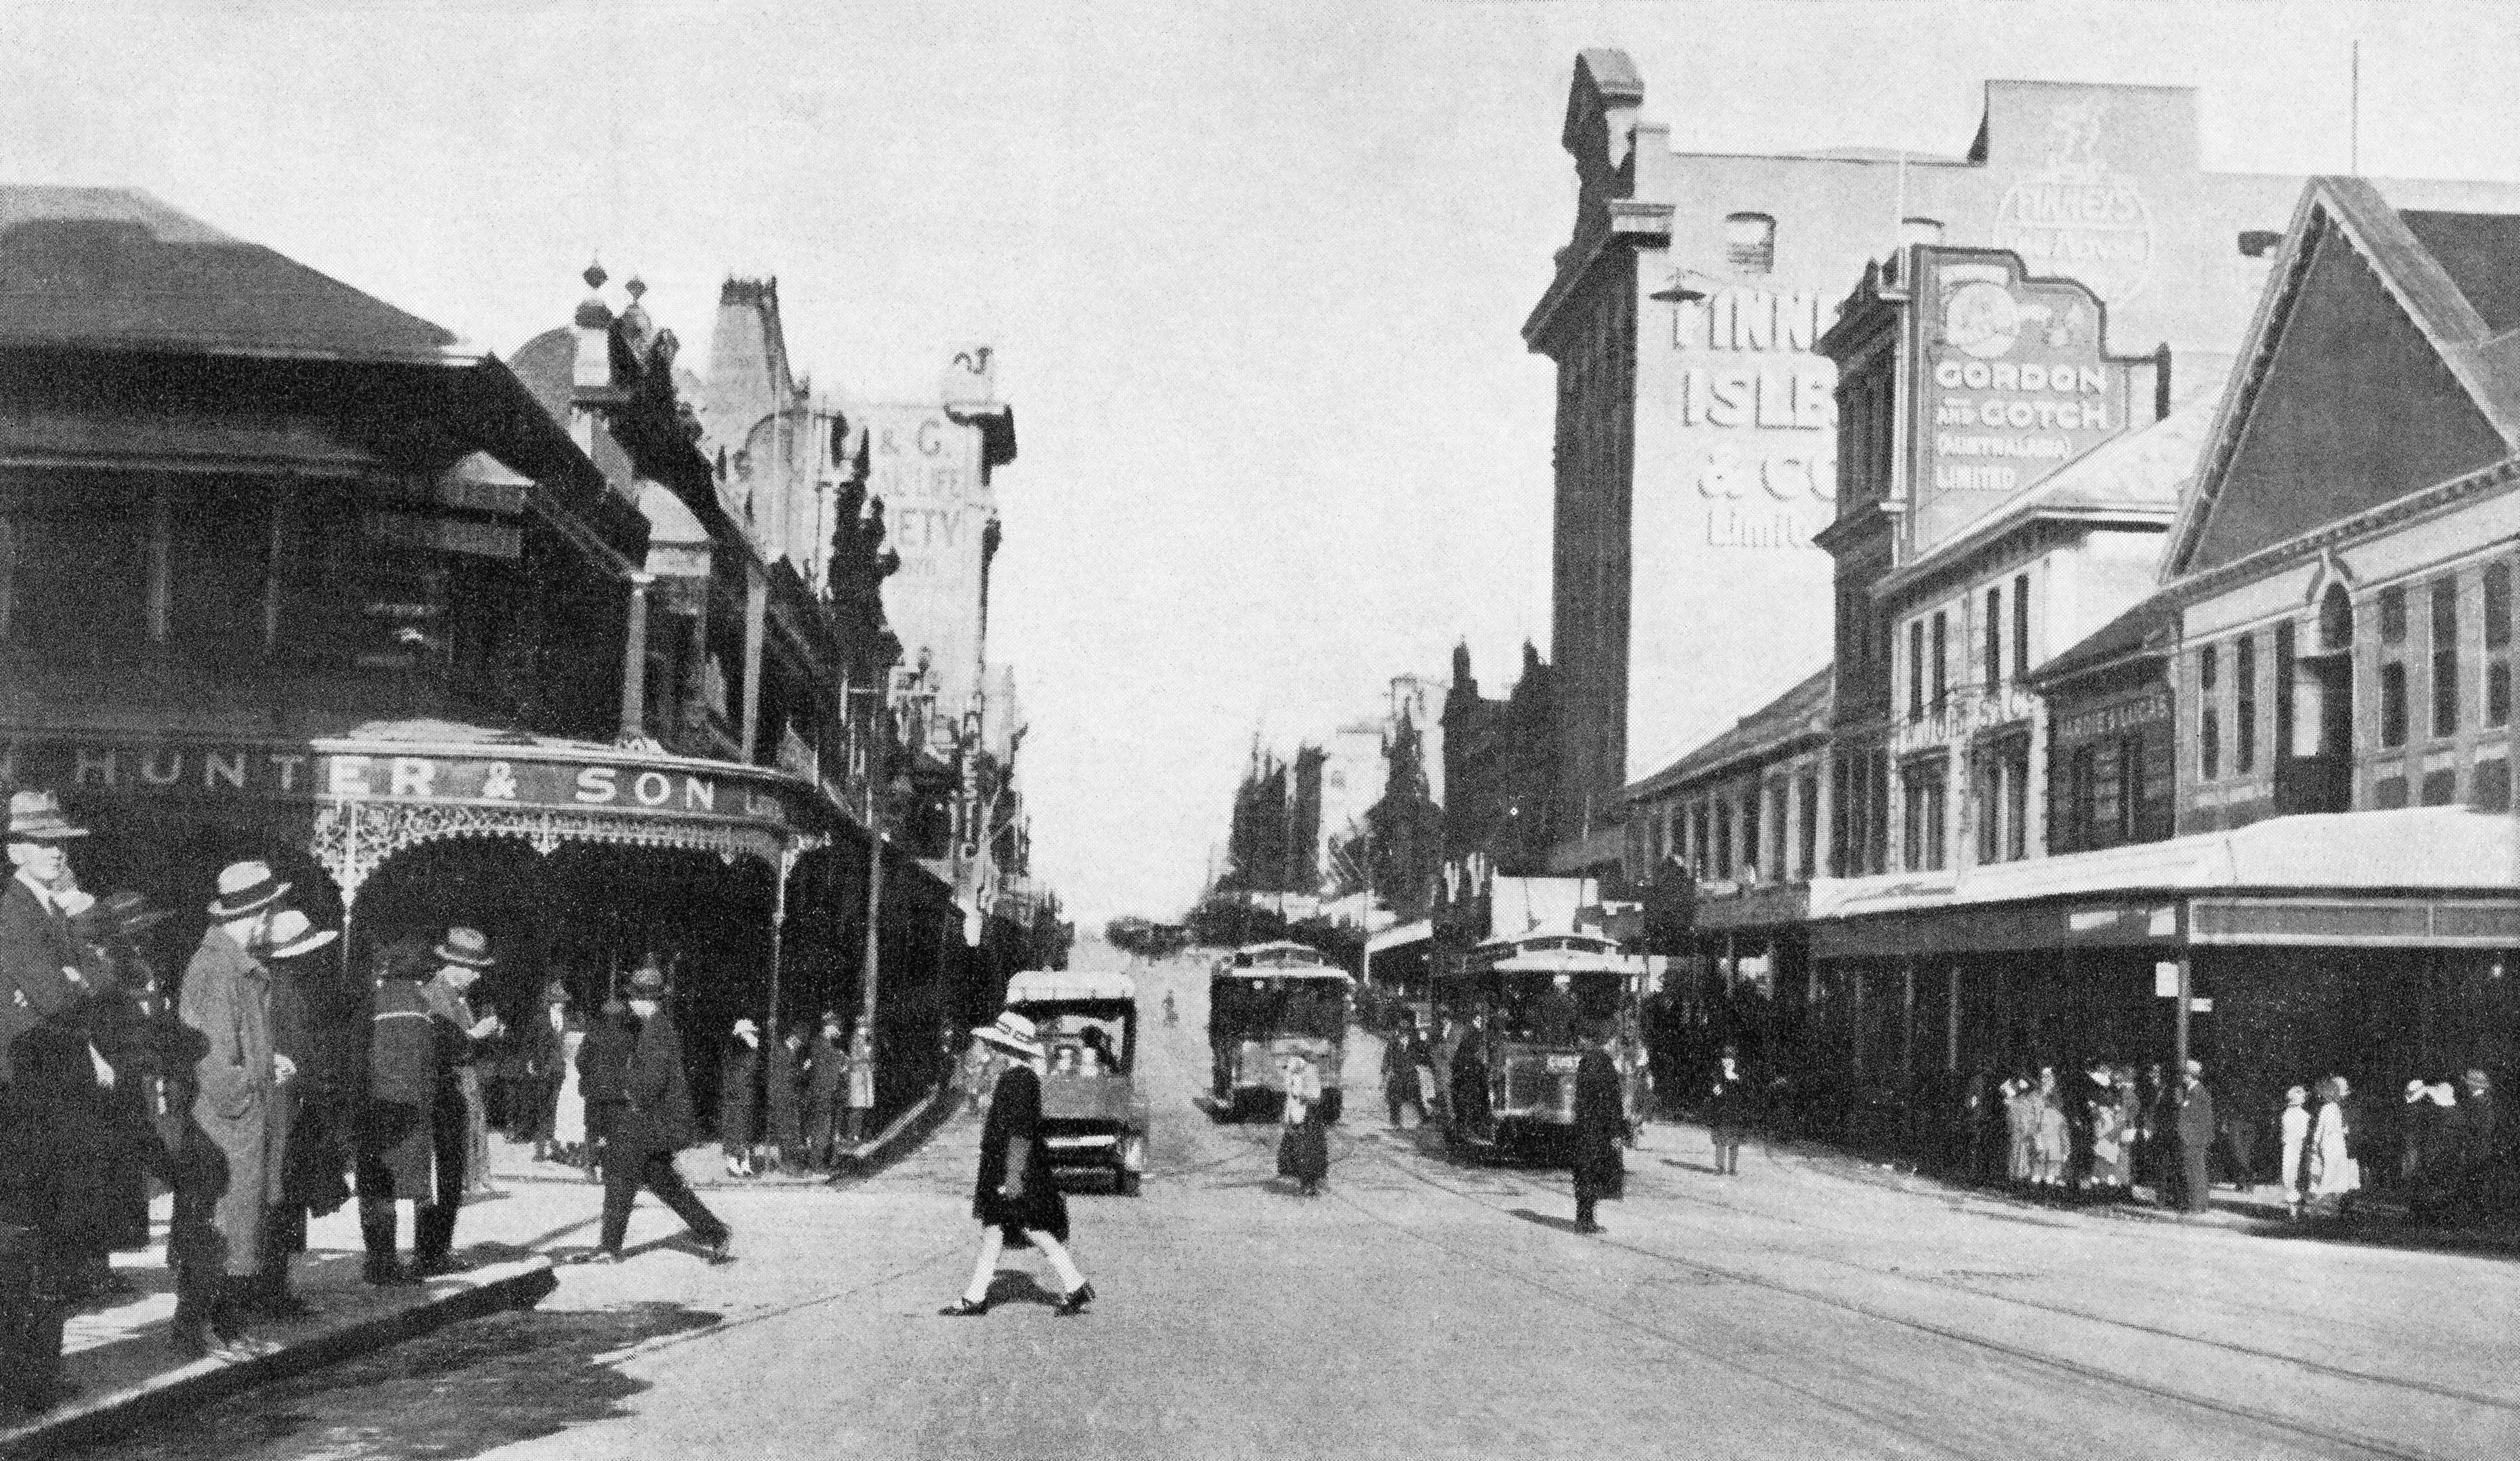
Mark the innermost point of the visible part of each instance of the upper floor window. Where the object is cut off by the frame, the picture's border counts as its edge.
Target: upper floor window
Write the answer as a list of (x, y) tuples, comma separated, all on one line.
[(1916, 670), (1994, 636), (1750, 243), (2393, 615), (1942, 655), (2446, 656), (2209, 716), (2021, 626), (2393, 705), (2244, 705)]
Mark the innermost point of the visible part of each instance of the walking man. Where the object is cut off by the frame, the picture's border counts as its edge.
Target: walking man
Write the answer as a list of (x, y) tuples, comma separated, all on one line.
[(1728, 1113), (861, 1082), (227, 998), (636, 1076), (1015, 1199), (396, 1140), (545, 1067), (1400, 1054), (1600, 1121)]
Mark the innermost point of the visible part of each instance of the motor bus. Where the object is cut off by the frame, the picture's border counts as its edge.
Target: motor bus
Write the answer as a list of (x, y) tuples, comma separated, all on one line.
[(1267, 1002), (1512, 1088), (1092, 1109)]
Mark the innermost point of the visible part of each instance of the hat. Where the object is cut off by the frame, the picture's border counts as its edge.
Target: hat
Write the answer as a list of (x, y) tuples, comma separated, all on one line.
[(121, 915), (1012, 1033), (36, 817), (469, 947), (2195, 1067), (556, 992), (2415, 1088), (294, 934), (647, 982), (746, 1028), (2478, 1078), (245, 888)]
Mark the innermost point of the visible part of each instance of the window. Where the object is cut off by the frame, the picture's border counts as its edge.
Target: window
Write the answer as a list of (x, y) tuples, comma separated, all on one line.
[(80, 586), (2021, 626), (2016, 800), (2393, 705), (2209, 718), (2003, 800), (2393, 615), (2244, 705), (1807, 862), (1923, 783), (2285, 669), (2498, 605), (2129, 786), (2445, 656), (1752, 824), (1750, 243), (1723, 838), (1917, 670), (2082, 796), (2491, 789), (219, 569), (1941, 657), (1994, 636)]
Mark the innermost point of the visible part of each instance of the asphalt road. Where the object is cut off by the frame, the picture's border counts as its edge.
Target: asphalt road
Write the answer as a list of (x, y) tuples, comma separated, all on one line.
[(1812, 1307)]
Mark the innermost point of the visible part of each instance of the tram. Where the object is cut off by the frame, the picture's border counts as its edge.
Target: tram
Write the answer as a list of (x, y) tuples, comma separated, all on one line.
[(1517, 1012), (1266, 1002)]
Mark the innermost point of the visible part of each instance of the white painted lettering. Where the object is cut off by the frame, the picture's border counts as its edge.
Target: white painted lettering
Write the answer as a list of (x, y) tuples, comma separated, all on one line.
[(698, 794), (653, 788), (288, 768), (162, 769), (98, 764), (413, 776), (349, 775), (219, 767), (595, 785)]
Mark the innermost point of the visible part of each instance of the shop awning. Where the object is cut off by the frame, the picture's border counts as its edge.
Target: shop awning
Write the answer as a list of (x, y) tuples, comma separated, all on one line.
[(1400, 935)]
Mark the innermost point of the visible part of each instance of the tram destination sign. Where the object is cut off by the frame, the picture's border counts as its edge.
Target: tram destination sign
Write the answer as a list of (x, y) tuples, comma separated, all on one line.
[(322, 772)]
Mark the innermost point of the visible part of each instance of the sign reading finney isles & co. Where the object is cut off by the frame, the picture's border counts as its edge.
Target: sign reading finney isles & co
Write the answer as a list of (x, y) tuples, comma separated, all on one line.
[(313, 773)]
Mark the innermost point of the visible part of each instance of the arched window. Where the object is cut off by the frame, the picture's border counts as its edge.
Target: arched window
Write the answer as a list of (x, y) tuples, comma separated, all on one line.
[(1750, 243), (2336, 620)]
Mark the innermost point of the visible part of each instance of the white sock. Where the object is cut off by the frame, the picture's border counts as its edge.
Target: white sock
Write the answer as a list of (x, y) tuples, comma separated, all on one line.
[(992, 1243)]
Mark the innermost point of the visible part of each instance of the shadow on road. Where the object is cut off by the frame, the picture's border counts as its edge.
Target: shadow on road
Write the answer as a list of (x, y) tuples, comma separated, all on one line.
[(520, 1376), (1544, 1219)]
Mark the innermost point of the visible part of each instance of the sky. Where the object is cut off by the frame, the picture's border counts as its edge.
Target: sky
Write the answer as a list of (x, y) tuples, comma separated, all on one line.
[(1255, 272)]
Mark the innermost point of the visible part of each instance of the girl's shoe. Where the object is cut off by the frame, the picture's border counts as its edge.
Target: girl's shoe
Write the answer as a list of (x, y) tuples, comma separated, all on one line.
[(965, 1308), (1075, 1301)]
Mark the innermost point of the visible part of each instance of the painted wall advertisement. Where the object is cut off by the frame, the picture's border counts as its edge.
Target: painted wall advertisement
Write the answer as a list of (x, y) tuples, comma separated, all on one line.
[(925, 467), (1757, 411), (2011, 385)]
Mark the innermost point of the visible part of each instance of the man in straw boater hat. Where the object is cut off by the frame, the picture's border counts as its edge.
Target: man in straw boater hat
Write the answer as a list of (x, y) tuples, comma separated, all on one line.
[(305, 1025), (640, 1107), (217, 1244), (49, 1072), (463, 956), (1015, 1199)]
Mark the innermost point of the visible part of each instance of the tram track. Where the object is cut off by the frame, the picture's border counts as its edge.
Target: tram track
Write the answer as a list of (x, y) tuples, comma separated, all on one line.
[(2015, 1354)]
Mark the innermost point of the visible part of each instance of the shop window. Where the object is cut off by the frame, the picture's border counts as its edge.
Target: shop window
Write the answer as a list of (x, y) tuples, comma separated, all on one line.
[(2209, 717), (2393, 705), (2445, 647), (1750, 243), (2491, 791), (2244, 705), (2441, 787), (2393, 615)]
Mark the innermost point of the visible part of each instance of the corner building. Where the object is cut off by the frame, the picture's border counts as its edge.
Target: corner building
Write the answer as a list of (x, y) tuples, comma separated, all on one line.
[(1697, 429)]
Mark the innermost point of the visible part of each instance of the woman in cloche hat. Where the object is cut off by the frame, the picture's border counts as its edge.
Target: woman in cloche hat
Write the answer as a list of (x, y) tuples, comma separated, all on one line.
[(1015, 1199)]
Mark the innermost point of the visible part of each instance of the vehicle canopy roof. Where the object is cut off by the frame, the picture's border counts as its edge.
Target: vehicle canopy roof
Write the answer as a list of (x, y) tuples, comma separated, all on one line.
[(1281, 959), (1546, 953), (1070, 986)]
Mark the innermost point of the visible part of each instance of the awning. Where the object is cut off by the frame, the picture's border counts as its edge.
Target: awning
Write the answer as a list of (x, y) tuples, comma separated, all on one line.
[(1400, 935), (58, 437)]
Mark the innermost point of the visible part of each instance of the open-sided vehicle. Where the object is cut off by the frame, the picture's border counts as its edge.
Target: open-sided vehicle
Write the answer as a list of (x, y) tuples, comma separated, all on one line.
[(1511, 1082), (1092, 1108), (1266, 1002)]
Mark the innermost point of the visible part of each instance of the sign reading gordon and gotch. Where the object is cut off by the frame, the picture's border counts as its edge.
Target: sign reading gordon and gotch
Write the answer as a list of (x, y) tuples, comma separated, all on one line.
[(2011, 384), (307, 773)]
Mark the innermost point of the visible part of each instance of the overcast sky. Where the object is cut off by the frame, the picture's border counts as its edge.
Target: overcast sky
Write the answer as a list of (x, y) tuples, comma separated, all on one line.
[(1255, 270)]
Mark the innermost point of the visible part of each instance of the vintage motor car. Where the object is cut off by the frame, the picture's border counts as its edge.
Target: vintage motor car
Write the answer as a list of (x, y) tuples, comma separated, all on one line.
[(1092, 1108)]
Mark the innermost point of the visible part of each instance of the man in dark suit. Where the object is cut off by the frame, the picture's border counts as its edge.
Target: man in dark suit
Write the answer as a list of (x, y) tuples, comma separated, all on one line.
[(635, 1074), (2195, 1139)]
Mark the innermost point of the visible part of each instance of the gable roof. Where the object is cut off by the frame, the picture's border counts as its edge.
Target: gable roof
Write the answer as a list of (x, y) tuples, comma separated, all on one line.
[(1802, 710), (2141, 631), (2455, 275), (114, 268)]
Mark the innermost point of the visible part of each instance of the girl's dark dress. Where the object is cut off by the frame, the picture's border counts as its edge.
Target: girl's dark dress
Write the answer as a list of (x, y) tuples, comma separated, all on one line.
[(1015, 1117)]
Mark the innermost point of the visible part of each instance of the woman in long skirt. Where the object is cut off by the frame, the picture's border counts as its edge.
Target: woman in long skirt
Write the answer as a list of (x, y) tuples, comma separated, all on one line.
[(2334, 1174), (2052, 1147), (1015, 1198), (1304, 1152), (568, 1111), (2020, 1127)]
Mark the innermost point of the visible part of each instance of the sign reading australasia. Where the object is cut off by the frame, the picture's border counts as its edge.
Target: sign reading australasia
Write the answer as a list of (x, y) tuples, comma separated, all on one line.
[(2010, 384)]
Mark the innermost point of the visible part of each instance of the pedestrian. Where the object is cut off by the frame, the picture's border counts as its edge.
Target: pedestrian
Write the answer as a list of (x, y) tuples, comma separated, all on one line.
[(861, 1082), (2051, 1142), (2196, 1130), (636, 1076), (2477, 1144), (1728, 1111), (463, 956), (1468, 1089), (826, 1083), (2294, 1127), (2335, 1173), (1600, 1120), (2020, 1130), (2154, 1165), (543, 1050), (2112, 1133), (312, 1108), (2426, 1124), (227, 998), (395, 1139), (571, 1142), (738, 1070), (1981, 1108), (977, 1075), (1399, 1088), (123, 1128), (783, 1103), (1015, 1199), (605, 1048), (2083, 1121), (1304, 1148)]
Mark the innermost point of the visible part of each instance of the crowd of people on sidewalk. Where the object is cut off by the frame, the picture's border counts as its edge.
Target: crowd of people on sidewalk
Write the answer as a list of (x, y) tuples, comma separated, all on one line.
[(264, 1088), (799, 1106)]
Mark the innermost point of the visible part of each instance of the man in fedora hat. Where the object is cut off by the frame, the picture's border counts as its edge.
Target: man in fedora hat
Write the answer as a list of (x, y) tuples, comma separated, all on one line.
[(545, 1063), (463, 956), (49, 1073), (642, 1105), (1015, 1198), (226, 997)]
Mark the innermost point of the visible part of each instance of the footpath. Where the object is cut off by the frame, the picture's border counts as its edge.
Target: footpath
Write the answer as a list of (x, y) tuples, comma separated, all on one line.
[(116, 1351)]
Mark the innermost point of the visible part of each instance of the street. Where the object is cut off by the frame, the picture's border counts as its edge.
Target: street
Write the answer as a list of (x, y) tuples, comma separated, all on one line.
[(1812, 1307)]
